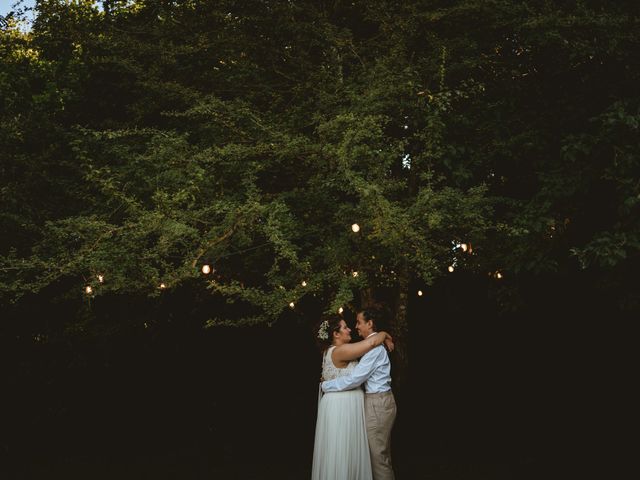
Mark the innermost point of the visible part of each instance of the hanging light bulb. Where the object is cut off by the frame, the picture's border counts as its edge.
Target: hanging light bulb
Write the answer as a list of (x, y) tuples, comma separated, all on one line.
[(304, 284), (355, 227), (419, 293), (355, 274), (206, 269), (101, 278), (450, 268), (162, 286), (464, 247), (292, 304), (498, 275), (340, 310), (88, 290)]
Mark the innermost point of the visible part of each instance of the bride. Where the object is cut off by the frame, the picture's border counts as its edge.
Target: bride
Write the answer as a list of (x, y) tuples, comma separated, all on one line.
[(341, 449)]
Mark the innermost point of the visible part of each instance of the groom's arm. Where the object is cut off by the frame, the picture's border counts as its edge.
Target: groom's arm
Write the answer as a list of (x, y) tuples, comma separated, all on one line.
[(363, 370)]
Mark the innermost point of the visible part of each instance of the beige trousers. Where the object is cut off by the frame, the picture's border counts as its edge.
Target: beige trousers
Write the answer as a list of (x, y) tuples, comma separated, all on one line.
[(380, 413)]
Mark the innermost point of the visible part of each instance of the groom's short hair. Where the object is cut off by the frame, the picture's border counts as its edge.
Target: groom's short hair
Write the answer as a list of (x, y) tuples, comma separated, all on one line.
[(378, 315)]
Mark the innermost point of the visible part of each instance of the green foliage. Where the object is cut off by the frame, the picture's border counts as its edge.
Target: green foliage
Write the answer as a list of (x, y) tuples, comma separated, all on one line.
[(146, 138)]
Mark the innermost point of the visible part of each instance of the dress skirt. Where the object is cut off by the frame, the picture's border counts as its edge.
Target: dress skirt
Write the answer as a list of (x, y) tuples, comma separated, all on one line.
[(341, 449)]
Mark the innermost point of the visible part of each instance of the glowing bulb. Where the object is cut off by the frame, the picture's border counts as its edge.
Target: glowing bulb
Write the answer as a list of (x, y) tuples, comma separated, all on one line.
[(304, 284), (355, 227), (88, 290), (340, 310), (419, 293), (162, 286), (101, 278), (355, 274), (206, 269), (464, 247), (450, 268), (498, 275), (292, 304)]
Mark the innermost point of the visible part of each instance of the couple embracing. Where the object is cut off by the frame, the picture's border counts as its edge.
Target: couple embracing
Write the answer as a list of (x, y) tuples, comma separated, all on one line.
[(353, 428)]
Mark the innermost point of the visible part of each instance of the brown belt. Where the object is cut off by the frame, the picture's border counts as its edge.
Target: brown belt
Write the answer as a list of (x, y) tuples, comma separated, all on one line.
[(381, 394)]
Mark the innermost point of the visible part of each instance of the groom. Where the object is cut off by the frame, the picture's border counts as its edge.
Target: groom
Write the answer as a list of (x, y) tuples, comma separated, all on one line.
[(374, 370)]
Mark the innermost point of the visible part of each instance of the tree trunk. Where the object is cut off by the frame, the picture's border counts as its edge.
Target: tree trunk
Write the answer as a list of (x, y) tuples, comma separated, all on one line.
[(400, 331), (366, 297)]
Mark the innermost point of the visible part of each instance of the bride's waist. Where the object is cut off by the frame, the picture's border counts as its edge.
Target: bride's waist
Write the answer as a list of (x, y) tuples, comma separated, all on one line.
[(354, 391)]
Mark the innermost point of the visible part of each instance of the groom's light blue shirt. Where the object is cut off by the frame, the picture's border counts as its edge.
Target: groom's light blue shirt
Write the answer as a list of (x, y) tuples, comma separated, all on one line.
[(374, 370)]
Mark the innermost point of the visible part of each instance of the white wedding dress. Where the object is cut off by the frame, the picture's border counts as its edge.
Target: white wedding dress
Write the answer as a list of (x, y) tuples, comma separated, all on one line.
[(341, 449)]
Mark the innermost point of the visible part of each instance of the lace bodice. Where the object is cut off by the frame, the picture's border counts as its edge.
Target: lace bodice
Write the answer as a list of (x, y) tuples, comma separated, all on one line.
[(330, 371)]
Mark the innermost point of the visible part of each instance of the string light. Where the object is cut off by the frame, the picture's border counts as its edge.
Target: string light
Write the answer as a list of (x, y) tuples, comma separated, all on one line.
[(498, 275), (207, 269)]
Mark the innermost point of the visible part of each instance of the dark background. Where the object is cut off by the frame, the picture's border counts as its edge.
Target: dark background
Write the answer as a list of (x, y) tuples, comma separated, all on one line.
[(490, 395), (534, 381)]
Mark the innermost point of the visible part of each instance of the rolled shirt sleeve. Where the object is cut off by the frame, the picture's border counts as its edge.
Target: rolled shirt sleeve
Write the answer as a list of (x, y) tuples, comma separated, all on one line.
[(359, 374)]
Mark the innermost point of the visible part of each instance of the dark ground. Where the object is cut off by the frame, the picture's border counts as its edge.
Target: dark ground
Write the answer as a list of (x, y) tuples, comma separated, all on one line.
[(489, 397)]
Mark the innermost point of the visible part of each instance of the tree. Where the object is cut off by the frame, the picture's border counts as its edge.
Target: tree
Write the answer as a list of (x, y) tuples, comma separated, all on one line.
[(261, 169), (251, 136)]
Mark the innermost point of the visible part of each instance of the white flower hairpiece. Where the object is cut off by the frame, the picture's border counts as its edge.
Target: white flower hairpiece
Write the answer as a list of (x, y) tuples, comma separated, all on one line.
[(323, 333)]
